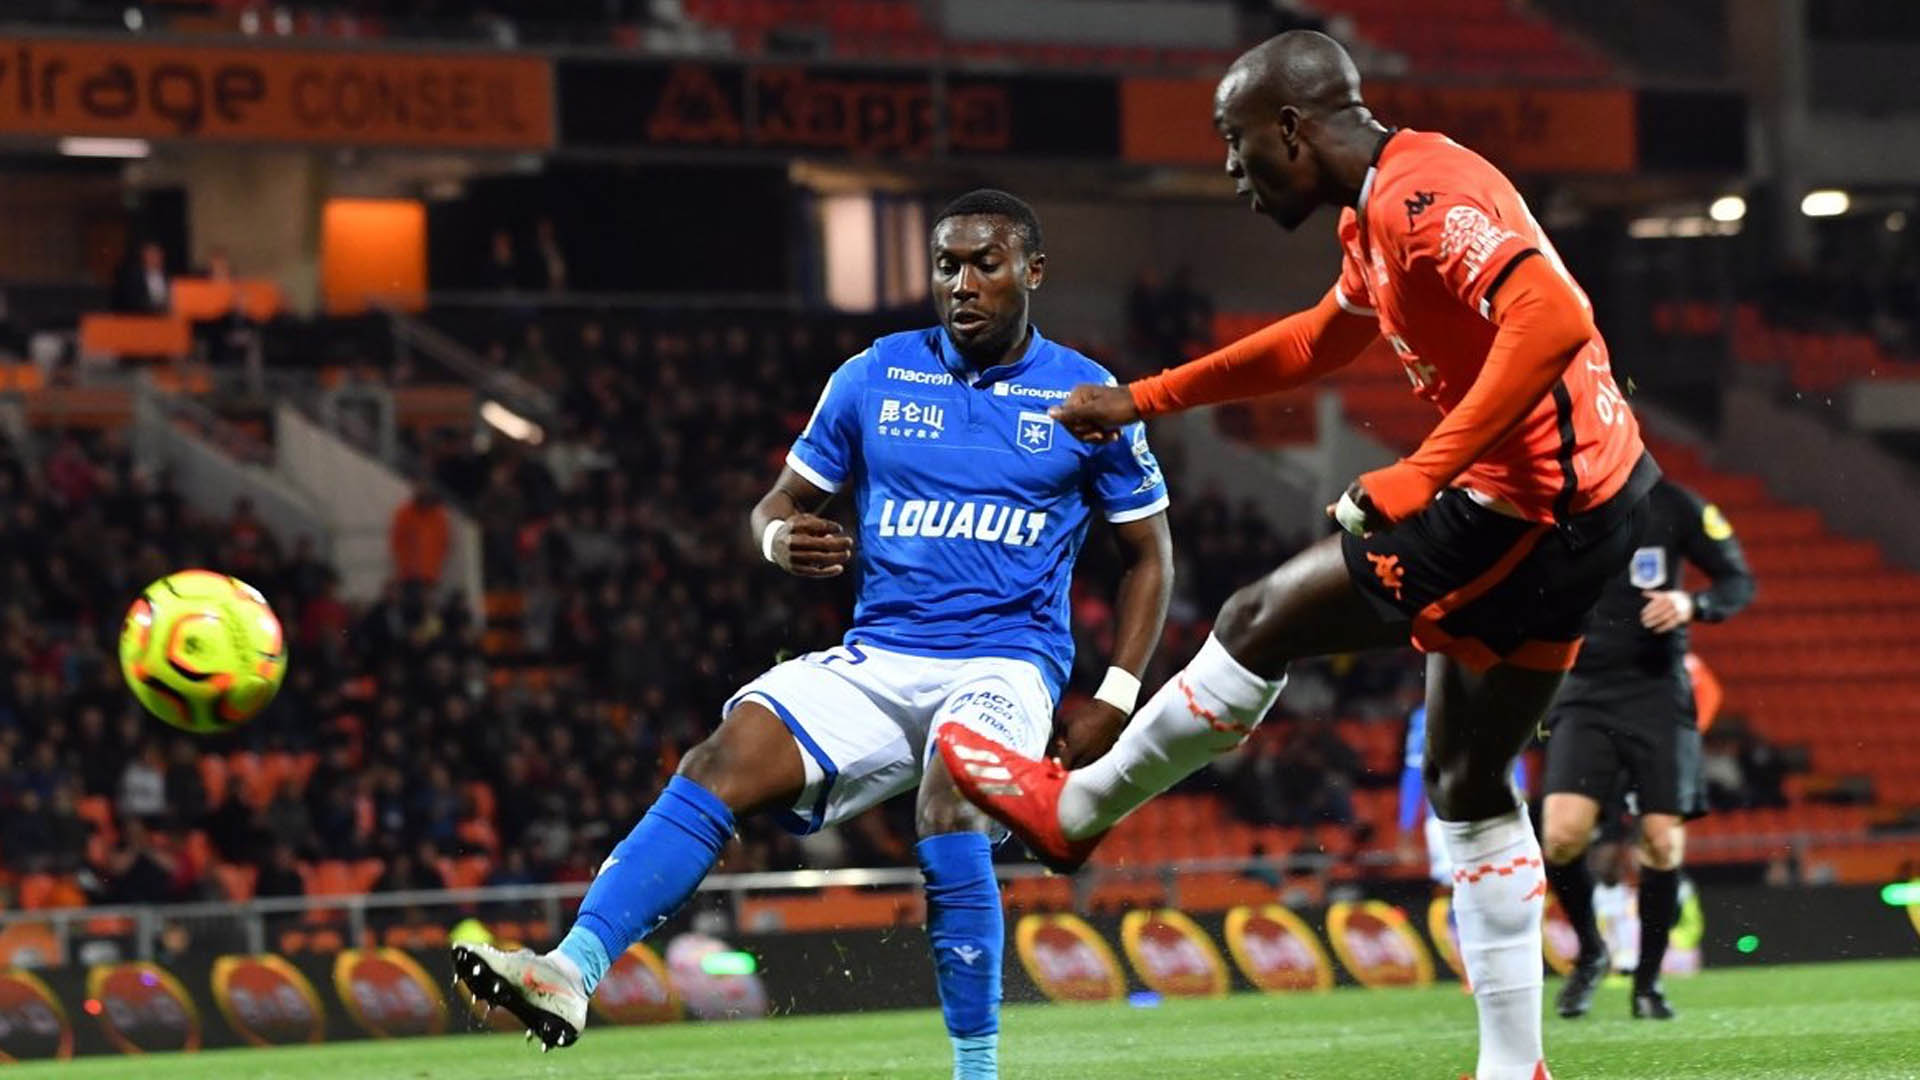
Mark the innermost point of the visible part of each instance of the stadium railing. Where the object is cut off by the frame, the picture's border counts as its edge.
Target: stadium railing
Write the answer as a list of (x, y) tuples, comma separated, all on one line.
[(256, 925)]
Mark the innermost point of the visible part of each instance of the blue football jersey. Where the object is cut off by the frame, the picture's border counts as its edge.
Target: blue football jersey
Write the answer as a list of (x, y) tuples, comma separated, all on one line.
[(972, 501)]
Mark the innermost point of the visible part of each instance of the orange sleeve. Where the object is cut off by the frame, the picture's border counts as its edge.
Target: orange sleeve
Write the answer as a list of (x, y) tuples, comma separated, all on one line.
[(1543, 325), (1707, 692), (1297, 349)]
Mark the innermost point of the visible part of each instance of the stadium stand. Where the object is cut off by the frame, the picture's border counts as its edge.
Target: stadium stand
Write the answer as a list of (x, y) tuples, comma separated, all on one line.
[(1468, 38), (615, 622)]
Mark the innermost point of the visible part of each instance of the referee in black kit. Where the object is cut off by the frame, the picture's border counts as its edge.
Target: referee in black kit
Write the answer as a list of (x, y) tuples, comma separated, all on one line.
[(1624, 721)]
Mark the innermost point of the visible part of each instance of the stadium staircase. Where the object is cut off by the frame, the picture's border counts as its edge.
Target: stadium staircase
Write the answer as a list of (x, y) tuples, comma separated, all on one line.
[(1825, 663)]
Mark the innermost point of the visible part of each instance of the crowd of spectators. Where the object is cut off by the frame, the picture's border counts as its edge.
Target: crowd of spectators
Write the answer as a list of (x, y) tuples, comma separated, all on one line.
[(641, 602)]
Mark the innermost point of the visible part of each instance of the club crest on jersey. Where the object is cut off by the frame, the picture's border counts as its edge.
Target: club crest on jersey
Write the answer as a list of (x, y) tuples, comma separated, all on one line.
[(1035, 434), (1150, 477), (906, 418), (1648, 569)]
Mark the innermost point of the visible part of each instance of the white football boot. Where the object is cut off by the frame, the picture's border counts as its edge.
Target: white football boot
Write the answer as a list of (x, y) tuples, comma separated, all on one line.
[(533, 988)]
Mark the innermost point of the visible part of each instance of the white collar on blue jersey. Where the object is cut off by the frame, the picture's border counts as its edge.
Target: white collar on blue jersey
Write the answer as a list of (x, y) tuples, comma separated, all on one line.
[(956, 365)]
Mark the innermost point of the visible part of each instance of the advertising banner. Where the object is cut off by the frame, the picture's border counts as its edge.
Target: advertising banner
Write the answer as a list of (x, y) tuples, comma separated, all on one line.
[(1170, 122), (864, 111), (132, 89), (198, 1000)]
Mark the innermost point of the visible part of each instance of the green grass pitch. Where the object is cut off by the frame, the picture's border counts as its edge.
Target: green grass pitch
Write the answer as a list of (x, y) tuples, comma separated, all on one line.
[(1850, 1021)]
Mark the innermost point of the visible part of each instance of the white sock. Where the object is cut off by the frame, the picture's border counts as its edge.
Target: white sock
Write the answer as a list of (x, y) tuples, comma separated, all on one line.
[(567, 967), (1203, 712), (1499, 893)]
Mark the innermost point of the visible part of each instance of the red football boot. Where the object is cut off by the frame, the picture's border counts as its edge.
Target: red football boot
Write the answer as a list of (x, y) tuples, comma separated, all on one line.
[(1019, 792)]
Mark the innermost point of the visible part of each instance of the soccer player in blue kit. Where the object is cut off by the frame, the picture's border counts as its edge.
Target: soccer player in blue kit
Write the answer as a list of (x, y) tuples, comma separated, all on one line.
[(972, 508)]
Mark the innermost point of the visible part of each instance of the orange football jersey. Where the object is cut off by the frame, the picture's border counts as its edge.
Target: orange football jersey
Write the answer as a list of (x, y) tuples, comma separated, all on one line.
[(1435, 232)]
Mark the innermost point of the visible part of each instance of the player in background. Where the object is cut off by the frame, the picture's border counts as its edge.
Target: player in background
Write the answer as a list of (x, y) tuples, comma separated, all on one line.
[(1416, 812), (972, 509), (1488, 546), (1628, 710)]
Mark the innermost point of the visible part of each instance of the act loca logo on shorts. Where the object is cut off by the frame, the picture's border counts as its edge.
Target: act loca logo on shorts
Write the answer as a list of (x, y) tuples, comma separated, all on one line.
[(997, 711)]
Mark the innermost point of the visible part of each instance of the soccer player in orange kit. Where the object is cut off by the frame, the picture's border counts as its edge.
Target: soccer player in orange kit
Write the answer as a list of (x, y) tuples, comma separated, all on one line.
[(1488, 546)]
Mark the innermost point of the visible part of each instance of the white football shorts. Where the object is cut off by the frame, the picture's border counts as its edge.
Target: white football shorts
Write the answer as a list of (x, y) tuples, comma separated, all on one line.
[(864, 716)]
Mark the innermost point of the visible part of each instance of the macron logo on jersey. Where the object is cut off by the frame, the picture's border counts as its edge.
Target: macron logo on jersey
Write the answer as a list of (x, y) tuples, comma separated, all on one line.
[(949, 519), (929, 378)]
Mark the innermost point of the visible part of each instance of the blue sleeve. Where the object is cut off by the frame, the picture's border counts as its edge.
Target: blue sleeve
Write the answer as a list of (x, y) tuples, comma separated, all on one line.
[(1126, 480), (1413, 788), (825, 451), (1413, 800)]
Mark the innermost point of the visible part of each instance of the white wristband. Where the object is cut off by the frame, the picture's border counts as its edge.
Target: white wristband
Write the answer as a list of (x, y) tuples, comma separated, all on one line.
[(1350, 516), (1120, 689), (767, 536)]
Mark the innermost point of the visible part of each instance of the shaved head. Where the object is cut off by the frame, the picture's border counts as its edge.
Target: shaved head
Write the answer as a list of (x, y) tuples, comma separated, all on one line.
[(1302, 68), (1290, 112)]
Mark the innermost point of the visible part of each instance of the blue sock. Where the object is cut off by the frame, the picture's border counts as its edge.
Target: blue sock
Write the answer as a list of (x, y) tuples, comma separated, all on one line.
[(650, 874), (967, 930)]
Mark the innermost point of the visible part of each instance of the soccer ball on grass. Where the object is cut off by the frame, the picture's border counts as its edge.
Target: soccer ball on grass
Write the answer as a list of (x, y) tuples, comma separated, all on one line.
[(202, 651)]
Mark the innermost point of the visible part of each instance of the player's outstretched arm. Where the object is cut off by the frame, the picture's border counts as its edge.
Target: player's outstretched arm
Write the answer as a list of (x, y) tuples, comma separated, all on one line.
[(1543, 325), (1296, 350), (1146, 587), (790, 533)]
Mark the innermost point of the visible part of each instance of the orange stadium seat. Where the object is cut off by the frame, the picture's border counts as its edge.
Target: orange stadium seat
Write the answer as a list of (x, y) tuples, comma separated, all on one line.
[(135, 335)]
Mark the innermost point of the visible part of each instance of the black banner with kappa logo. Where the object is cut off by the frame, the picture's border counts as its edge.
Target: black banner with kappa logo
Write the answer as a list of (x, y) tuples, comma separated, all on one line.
[(835, 111)]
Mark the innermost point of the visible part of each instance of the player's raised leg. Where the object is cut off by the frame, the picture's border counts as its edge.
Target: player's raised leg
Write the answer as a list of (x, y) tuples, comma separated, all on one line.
[(1307, 607), (1477, 723), (1662, 842), (750, 763)]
